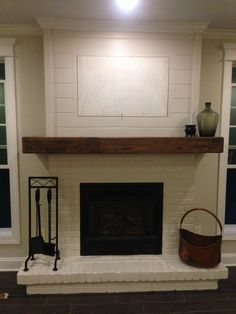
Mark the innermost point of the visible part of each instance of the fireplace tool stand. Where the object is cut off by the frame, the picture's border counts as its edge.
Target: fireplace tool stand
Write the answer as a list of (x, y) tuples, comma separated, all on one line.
[(37, 187)]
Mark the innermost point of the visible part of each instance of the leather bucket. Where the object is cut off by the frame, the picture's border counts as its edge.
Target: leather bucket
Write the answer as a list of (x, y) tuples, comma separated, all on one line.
[(200, 250)]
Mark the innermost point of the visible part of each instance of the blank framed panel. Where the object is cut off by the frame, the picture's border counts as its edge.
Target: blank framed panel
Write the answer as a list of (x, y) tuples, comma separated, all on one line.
[(122, 86)]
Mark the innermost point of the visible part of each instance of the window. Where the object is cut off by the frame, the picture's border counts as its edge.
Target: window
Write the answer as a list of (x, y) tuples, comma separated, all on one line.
[(227, 175), (232, 126), (3, 150), (5, 212), (230, 208), (9, 198)]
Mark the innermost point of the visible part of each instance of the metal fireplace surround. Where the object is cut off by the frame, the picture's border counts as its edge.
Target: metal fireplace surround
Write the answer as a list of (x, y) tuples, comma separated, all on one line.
[(121, 218)]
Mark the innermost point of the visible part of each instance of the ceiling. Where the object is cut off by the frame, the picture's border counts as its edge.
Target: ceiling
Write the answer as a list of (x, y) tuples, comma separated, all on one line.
[(220, 14)]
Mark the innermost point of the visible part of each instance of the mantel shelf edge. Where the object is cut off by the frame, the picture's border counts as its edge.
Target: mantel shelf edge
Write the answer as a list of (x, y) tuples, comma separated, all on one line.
[(124, 145)]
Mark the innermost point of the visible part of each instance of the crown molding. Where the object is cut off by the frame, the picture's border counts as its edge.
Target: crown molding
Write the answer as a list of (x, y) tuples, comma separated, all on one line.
[(121, 26), (220, 34), (230, 51), (6, 47), (229, 46), (20, 29), (7, 41)]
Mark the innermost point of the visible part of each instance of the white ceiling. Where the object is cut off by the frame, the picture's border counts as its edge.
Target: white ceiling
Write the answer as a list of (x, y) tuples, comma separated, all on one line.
[(219, 13)]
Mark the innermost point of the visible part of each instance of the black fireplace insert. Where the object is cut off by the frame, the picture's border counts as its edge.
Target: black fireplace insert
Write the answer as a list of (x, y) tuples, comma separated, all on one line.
[(121, 218)]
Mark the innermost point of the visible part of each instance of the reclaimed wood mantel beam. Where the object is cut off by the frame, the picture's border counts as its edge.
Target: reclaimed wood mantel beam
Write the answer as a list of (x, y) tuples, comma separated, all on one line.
[(126, 145)]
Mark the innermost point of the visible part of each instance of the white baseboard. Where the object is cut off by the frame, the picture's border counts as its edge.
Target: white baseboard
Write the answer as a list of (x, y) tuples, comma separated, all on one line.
[(11, 263), (229, 259)]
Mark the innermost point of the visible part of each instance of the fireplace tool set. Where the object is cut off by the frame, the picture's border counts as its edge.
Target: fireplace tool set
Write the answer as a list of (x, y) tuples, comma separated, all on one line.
[(37, 244)]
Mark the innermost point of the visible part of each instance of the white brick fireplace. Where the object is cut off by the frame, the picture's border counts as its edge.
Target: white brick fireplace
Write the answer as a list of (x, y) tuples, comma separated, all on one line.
[(121, 273), (176, 172)]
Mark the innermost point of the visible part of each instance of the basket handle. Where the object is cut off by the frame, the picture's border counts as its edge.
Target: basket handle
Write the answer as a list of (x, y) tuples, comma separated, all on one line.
[(205, 210)]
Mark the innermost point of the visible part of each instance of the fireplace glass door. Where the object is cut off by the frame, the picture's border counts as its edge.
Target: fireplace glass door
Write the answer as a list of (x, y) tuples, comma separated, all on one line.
[(121, 218)]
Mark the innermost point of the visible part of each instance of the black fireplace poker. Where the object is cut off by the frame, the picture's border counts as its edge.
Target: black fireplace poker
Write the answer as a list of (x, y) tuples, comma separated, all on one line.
[(37, 244)]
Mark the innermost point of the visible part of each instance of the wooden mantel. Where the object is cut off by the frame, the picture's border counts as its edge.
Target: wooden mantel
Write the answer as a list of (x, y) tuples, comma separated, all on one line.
[(126, 145)]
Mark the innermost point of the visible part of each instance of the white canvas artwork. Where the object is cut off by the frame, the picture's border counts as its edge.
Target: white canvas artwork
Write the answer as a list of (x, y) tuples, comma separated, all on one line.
[(122, 86)]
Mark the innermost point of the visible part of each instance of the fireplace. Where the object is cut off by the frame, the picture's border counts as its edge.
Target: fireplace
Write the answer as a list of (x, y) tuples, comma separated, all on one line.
[(121, 218), (121, 273)]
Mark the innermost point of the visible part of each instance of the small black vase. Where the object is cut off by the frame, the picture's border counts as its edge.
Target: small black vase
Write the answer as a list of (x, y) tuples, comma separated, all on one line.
[(190, 130)]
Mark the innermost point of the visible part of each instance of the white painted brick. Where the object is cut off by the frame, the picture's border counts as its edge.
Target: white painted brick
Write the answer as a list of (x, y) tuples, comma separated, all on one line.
[(122, 270), (176, 172)]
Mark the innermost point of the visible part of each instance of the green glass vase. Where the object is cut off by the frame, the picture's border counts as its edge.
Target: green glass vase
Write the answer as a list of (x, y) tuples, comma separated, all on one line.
[(207, 121)]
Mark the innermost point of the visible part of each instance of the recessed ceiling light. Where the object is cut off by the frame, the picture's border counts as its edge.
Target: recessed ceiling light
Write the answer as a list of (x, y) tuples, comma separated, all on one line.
[(127, 5)]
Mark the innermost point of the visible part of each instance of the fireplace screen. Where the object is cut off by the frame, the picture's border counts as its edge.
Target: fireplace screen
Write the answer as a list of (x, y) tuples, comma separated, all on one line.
[(121, 218)]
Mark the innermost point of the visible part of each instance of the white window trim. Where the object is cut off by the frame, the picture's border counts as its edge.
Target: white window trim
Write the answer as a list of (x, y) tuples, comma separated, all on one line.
[(11, 235), (229, 60)]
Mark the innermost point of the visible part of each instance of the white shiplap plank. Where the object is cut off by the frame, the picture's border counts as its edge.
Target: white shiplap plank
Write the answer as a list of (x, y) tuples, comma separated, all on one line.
[(72, 120), (64, 90), (65, 105), (119, 132), (180, 91), (122, 47), (182, 61), (181, 76), (63, 75), (64, 60), (180, 106)]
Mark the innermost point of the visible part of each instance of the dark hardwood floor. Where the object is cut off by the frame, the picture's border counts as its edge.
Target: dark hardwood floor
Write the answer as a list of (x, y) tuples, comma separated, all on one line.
[(221, 301)]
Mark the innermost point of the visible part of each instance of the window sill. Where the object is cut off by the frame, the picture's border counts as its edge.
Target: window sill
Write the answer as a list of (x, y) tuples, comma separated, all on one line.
[(7, 236), (229, 233)]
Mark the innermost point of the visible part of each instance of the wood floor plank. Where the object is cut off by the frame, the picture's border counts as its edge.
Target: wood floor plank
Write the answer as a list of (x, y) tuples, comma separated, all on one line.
[(220, 301)]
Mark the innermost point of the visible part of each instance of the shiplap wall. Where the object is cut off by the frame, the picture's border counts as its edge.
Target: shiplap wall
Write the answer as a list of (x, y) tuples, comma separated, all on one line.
[(67, 46)]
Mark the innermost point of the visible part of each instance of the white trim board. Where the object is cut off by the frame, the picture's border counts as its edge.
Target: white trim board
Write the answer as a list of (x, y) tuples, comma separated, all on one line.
[(229, 259), (123, 26), (11, 263), (20, 29)]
